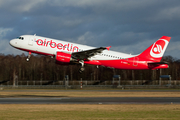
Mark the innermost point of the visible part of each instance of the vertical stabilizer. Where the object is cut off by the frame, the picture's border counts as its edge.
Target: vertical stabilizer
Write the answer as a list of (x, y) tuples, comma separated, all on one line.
[(156, 50)]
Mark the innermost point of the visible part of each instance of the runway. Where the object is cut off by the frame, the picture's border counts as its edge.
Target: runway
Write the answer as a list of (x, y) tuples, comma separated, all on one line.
[(92, 100)]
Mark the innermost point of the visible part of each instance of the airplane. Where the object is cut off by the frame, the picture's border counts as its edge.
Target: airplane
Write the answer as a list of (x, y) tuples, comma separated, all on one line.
[(71, 53)]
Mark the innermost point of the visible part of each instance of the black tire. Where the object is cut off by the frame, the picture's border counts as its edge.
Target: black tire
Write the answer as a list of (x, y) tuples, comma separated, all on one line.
[(82, 69)]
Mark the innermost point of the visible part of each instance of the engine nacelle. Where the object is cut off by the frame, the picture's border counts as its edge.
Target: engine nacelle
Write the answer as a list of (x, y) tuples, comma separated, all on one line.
[(63, 58)]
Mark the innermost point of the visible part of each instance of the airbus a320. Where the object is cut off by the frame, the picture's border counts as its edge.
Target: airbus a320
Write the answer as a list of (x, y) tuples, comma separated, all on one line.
[(71, 53)]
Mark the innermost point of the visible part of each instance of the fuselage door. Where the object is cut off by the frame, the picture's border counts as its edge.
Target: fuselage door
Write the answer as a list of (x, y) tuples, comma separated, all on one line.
[(135, 61), (31, 40)]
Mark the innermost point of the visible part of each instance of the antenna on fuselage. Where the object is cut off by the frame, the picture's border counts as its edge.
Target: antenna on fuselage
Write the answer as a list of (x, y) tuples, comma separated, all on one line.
[(34, 34)]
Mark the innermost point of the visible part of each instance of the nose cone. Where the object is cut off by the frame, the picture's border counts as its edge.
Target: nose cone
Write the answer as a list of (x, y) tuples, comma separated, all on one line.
[(13, 42)]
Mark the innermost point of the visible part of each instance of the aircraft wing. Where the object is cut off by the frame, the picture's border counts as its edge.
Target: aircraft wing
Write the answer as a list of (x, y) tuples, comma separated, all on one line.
[(82, 55)]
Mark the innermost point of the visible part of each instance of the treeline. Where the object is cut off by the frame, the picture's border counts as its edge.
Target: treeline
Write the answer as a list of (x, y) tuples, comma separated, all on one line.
[(44, 68)]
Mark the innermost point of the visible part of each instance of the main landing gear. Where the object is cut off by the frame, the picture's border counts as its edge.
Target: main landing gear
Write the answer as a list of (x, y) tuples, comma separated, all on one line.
[(29, 55), (82, 66)]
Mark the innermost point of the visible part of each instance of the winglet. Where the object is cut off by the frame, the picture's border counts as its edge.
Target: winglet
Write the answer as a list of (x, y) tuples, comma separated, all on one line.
[(108, 47)]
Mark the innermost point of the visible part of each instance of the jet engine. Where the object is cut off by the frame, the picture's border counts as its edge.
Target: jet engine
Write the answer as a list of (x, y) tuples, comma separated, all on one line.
[(63, 58)]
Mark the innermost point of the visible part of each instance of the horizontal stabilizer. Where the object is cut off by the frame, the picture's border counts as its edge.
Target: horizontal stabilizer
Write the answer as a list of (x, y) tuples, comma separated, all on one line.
[(158, 65)]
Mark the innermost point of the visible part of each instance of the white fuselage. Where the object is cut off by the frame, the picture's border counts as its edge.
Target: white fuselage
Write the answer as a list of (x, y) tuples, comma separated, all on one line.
[(38, 44), (66, 52)]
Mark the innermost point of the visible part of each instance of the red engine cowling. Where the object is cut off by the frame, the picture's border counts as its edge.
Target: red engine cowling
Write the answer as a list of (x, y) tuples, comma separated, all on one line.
[(63, 58)]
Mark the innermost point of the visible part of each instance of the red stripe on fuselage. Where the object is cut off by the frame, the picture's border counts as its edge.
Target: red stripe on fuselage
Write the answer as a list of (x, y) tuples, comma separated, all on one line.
[(125, 64)]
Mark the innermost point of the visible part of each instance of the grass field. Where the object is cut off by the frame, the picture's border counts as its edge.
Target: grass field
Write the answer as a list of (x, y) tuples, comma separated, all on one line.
[(89, 112), (86, 111)]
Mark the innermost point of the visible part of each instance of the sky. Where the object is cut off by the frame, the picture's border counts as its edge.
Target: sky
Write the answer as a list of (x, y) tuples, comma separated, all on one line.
[(129, 26)]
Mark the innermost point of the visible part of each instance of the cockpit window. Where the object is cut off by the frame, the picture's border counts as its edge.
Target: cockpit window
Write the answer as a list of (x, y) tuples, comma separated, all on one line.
[(21, 38)]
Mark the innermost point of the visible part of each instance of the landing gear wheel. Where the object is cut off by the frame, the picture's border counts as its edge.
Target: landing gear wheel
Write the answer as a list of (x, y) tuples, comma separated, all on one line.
[(29, 55), (27, 59), (81, 69), (82, 66)]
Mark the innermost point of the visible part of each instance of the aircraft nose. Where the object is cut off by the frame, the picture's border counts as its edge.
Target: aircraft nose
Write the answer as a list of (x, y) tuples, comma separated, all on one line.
[(13, 42)]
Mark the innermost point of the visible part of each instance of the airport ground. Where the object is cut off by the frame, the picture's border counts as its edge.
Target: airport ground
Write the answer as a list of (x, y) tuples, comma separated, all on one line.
[(5, 93), (89, 111)]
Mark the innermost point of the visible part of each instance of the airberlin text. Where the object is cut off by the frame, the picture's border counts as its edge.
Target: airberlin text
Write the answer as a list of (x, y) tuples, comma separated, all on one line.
[(59, 46)]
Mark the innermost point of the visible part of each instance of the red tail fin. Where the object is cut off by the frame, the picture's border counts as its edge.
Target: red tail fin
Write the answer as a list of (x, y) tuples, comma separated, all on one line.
[(156, 50)]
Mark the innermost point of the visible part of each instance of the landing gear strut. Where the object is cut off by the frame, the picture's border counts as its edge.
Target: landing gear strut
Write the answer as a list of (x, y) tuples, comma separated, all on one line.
[(82, 66), (29, 55)]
